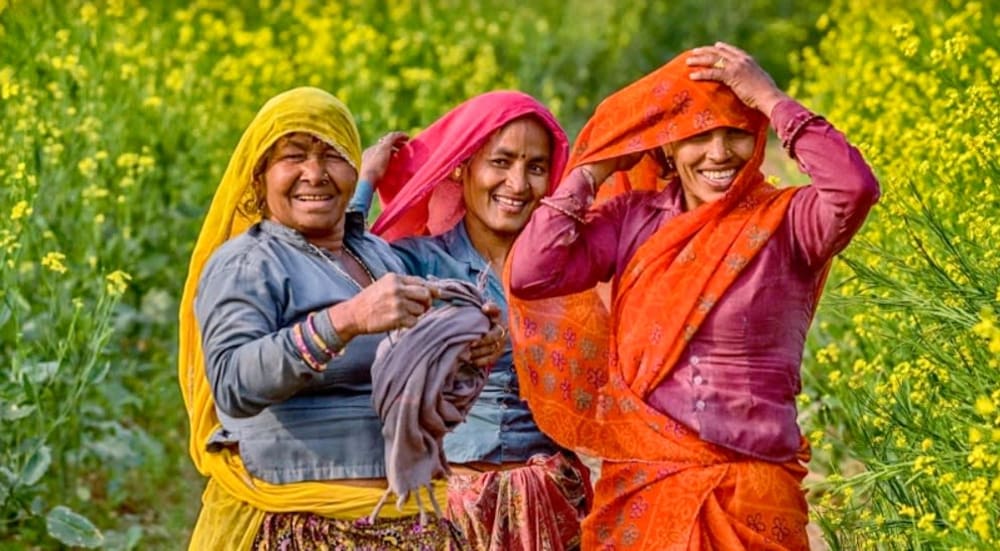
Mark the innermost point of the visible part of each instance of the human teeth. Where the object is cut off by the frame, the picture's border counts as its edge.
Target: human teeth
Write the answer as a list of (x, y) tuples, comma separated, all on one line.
[(719, 174), (313, 197), (510, 202)]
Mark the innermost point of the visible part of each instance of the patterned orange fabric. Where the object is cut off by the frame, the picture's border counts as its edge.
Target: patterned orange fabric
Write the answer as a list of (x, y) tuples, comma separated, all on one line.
[(586, 374)]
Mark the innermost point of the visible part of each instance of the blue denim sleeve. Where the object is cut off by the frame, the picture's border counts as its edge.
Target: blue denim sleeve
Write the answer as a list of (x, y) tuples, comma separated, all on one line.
[(361, 201), (251, 361)]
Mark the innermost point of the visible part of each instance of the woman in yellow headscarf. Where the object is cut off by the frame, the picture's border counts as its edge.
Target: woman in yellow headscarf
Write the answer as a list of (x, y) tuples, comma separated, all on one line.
[(286, 299)]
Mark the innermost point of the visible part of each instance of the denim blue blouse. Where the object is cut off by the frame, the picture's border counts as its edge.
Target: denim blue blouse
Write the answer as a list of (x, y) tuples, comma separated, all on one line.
[(290, 422), (499, 427)]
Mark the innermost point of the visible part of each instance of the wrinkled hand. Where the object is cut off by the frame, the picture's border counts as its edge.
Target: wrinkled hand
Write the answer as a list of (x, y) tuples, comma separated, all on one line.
[(738, 70), (376, 158), (600, 170), (487, 350), (392, 302)]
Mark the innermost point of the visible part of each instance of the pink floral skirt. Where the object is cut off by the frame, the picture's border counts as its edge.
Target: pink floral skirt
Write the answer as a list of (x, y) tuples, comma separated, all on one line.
[(537, 507)]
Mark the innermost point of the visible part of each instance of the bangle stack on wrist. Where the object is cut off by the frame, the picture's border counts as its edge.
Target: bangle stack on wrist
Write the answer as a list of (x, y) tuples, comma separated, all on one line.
[(314, 349), (792, 130)]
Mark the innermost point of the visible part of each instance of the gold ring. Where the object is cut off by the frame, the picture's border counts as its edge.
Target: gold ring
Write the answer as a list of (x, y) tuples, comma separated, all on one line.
[(719, 63)]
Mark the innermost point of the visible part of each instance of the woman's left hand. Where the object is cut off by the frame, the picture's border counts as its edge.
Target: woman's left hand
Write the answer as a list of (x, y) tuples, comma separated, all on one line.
[(375, 159), (738, 70), (488, 349)]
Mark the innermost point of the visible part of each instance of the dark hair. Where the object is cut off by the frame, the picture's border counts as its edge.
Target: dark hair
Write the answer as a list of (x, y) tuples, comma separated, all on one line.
[(254, 203)]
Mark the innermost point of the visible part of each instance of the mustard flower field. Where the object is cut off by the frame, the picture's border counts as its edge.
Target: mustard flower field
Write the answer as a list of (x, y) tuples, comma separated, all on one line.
[(904, 384), (117, 119)]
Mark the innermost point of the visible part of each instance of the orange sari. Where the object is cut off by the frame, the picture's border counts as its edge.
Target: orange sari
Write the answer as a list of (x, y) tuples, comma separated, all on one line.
[(586, 374)]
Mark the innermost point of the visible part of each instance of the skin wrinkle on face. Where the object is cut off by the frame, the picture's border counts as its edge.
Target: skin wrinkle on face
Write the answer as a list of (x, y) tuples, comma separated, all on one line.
[(708, 163), (504, 181), (308, 184)]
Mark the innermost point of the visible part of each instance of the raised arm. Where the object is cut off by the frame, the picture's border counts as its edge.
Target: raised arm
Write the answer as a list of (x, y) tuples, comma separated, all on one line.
[(826, 215), (564, 248), (374, 162)]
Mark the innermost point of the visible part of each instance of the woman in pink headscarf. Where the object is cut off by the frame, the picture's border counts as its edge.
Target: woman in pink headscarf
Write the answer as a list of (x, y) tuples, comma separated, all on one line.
[(455, 197)]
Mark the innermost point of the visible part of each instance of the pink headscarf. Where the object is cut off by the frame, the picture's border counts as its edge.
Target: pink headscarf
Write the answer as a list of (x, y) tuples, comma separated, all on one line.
[(417, 195)]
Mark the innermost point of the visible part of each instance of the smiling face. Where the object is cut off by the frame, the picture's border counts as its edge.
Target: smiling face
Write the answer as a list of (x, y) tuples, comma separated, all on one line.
[(708, 163), (307, 186), (505, 179)]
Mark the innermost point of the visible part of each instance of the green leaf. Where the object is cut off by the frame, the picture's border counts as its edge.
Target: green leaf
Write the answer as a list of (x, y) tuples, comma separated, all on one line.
[(41, 372), (72, 528), (7, 482), (123, 541), (36, 466), (14, 411)]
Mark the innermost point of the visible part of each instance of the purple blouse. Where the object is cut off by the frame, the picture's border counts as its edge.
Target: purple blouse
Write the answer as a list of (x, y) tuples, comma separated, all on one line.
[(736, 382)]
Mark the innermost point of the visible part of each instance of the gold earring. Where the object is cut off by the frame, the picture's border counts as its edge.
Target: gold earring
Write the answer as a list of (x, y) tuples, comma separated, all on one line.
[(669, 168), (457, 174)]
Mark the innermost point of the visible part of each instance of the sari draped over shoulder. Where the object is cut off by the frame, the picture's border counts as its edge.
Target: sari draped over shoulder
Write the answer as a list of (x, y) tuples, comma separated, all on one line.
[(587, 373)]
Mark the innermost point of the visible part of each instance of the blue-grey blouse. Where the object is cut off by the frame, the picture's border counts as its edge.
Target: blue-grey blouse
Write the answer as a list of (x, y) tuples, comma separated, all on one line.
[(499, 427), (290, 422)]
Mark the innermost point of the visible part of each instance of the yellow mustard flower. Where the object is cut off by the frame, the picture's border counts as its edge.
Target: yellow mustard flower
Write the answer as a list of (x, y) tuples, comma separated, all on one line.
[(926, 522), (88, 13), (55, 262), (984, 406), (20, 210), (975, 435), (87, 166), (117, 283)]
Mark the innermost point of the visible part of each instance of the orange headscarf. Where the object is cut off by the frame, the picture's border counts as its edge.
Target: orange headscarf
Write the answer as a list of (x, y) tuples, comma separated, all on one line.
[(587, 382)]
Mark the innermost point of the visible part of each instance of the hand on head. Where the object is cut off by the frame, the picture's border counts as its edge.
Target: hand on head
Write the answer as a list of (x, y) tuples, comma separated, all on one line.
[(375, 159), (393, 301), (600, 170), (738, 70)]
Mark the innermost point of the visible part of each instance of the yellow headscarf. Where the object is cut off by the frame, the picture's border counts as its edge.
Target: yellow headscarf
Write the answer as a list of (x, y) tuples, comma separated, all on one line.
[(308, 110)]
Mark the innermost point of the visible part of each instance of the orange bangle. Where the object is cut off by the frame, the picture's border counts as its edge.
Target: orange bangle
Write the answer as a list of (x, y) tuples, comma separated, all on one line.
[(314, 334)]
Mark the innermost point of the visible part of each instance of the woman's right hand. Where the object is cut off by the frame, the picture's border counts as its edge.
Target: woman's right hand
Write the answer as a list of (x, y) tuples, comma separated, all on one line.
[(375, 159), (604, 168), (737, 69), (392, 302)]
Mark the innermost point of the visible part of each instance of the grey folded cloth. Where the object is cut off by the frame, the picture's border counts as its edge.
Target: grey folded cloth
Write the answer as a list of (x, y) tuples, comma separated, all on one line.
[(422, 388)]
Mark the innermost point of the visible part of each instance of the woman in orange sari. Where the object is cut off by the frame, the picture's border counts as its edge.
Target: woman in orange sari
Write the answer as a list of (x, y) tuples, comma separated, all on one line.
[(687, 392)]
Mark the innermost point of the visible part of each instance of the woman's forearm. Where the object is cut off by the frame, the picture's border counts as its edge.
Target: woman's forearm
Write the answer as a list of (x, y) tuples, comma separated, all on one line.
[(842, 190), (564, 248)]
